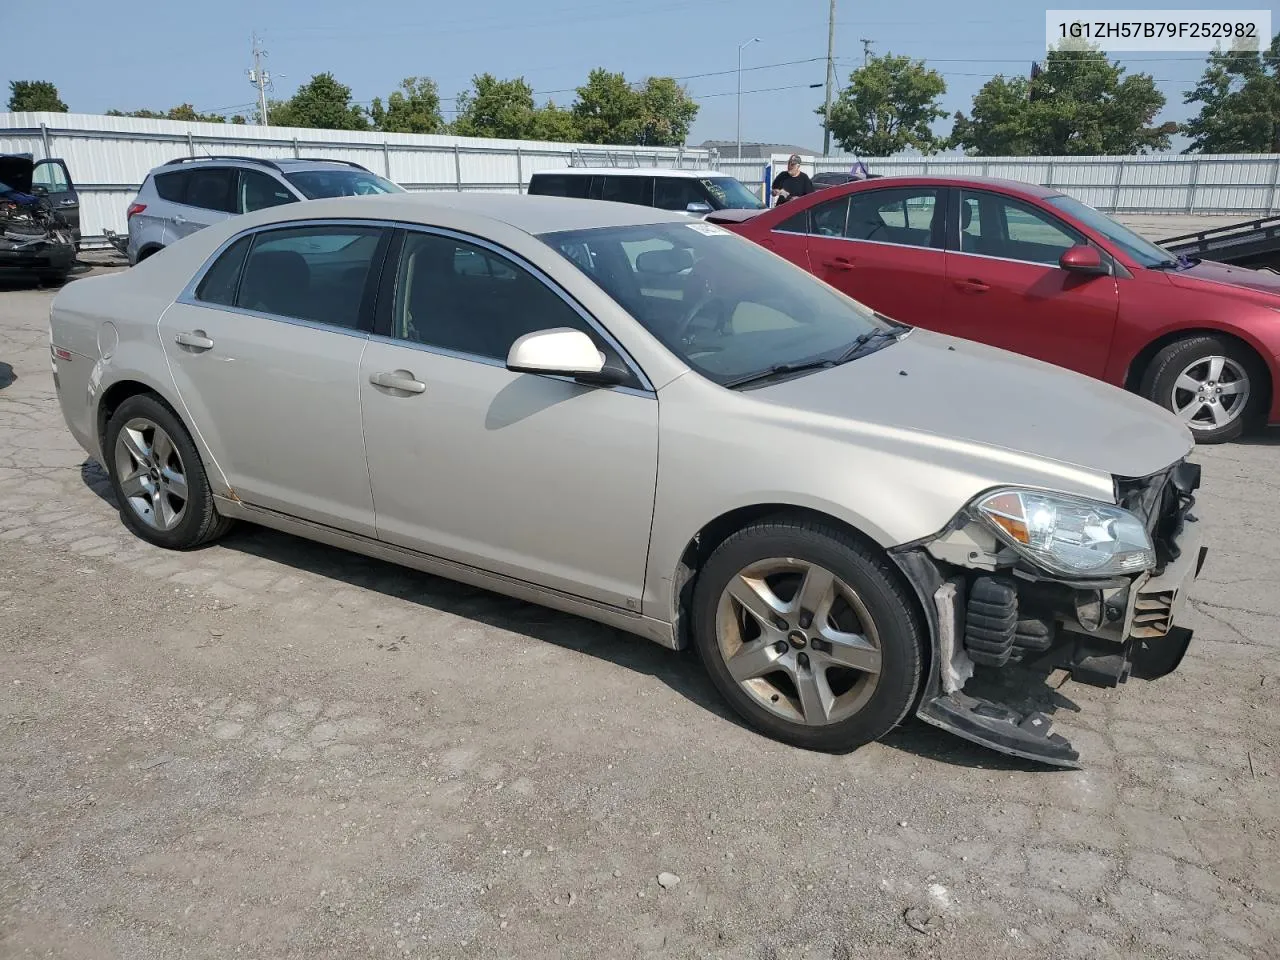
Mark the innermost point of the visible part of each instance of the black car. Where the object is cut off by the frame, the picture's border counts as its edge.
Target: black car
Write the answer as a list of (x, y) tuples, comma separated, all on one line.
[(39, 217), (823, 180)]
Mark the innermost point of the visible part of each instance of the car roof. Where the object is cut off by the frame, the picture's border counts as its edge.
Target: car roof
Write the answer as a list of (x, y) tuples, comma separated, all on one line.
[(953, 180), (534, 215), (631, 172), (280, 164)]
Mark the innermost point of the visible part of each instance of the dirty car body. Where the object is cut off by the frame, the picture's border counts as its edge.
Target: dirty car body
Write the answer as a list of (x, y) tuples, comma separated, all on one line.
[(655, 424), (34, 237)]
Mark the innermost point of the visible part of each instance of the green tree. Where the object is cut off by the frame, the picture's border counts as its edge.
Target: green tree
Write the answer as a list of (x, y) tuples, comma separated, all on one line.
[(1079, 104), (321, 103), (35, 95), (888, 106), (496, 108), (610, 110), (607, 109), (414, 108), (666, 113), (1239, 97), (554, 124), (184, 111)]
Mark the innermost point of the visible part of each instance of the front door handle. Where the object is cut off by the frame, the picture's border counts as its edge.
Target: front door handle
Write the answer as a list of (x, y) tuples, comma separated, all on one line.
[(839, 263), (68, 202), (973, 286), (196, 340), (179, 218), (398, 380)]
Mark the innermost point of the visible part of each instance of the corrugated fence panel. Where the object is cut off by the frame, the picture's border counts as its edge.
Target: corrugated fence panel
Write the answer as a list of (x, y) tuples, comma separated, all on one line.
[(110, 156)]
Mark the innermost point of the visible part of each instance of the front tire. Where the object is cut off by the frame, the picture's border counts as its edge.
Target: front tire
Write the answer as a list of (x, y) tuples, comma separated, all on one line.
[(1214, 384), (158, 477), (808, 634)]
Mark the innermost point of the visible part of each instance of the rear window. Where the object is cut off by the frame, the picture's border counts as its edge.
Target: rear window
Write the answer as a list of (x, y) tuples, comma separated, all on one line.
[(559, 185), (171, 186), (219, 284)]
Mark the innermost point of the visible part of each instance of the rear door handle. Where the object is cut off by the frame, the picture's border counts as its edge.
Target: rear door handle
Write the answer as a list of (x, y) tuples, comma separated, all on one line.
[(973, 286), (179, 218), (399, 380), (839, 263), (196, 340)]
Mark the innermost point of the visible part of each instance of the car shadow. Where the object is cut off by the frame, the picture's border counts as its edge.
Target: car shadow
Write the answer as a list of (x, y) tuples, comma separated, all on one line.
[(7, 376), (1266, 437), (680, 671)]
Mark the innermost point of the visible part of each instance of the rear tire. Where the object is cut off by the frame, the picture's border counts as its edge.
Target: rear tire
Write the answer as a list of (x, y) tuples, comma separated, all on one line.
[(158, 477), (808, 634), (1215, 385)]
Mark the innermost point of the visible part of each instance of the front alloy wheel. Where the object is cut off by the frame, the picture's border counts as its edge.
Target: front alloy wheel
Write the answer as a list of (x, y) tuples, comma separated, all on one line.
[(799, 641), (1215, 384), (1211, 393), (808, 633)]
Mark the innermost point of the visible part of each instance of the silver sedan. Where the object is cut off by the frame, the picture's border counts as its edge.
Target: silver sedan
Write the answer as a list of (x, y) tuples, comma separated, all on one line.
[(645, 420)]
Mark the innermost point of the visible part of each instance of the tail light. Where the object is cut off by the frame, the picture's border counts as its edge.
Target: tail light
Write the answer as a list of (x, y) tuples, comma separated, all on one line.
[(134, 208)]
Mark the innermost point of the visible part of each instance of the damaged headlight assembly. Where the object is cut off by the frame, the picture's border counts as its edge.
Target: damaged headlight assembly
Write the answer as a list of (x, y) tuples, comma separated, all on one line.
[(1067, 536)]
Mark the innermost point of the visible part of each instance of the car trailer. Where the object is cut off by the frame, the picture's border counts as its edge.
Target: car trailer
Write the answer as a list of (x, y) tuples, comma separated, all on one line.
[(1250, 243)]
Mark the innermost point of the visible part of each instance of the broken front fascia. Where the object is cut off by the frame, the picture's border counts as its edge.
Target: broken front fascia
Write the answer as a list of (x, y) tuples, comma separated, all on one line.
[(988, 607)]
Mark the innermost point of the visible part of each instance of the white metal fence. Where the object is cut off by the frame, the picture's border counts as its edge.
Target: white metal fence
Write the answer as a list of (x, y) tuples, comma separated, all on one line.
[(110, 156), (1245, 184)]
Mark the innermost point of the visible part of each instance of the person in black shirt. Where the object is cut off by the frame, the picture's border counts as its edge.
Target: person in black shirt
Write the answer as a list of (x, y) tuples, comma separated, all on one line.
[(792, 182)]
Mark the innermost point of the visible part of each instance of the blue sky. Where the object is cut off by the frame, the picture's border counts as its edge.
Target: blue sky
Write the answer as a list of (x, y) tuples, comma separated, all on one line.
[(145, 53)]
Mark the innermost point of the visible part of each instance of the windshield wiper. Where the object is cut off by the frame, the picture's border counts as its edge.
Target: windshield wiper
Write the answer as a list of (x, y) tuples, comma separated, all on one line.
[(779, 370), (1175, 263), (862, 340)]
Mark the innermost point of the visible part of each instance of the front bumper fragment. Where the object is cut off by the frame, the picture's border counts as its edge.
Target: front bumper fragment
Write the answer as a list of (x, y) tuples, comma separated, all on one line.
[(1147, 644)]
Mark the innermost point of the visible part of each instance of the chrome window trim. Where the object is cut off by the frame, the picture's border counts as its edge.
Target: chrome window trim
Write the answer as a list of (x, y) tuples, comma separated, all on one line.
[(188, 297)]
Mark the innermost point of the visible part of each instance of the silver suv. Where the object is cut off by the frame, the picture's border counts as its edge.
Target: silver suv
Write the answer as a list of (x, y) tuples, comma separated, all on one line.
[(189, 193)]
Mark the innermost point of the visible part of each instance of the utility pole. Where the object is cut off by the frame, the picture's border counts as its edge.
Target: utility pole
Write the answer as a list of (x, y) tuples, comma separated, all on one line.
[(745, 43), (831, 70), (260, 78), (866, 50)]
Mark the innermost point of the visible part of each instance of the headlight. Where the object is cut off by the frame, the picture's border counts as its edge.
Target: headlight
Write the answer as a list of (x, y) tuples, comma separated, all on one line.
[(1069, 536)]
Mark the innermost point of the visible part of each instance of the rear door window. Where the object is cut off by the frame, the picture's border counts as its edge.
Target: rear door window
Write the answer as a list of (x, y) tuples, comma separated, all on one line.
[(316, 273), (211, 189), (904, 216), (628, 189)]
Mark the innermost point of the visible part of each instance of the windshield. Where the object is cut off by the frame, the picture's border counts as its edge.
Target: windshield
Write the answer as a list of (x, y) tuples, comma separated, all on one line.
[(725, 306), (1143, 251), (731, 194), (314, 184)]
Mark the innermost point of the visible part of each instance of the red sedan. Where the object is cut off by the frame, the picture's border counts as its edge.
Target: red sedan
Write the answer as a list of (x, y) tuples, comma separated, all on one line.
[(1040, 273)]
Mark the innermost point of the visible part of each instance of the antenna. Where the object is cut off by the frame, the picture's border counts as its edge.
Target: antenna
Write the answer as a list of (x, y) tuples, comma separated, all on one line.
[(260, 78)]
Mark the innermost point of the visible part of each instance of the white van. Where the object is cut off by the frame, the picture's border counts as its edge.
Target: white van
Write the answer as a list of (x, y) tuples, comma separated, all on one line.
[(697, 192)]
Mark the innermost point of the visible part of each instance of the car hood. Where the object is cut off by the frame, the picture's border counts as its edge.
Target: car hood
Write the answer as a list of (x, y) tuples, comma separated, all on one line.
[(928, 383), (16, 171), (1264, 280)]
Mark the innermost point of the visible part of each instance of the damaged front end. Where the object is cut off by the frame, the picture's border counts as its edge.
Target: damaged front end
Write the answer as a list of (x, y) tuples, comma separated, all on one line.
[(1025, 582), (33, 235)]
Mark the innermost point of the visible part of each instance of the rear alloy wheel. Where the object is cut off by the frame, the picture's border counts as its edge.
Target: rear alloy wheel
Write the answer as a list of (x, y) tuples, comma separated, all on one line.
[(808, 635), (158, 478), (1211, 383)]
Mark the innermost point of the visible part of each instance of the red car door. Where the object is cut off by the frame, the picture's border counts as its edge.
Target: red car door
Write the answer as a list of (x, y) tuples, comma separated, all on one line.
[(884, 248), (1005, 288)]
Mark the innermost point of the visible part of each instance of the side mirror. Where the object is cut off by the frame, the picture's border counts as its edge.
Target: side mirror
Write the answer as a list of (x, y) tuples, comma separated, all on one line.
[(698, 206), (563, 352), (1084, 259), (39, 190)]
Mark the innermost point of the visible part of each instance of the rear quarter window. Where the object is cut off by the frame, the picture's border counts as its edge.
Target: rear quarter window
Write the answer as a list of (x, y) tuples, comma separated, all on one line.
[(171, 186), (219, 283), (560, 185)]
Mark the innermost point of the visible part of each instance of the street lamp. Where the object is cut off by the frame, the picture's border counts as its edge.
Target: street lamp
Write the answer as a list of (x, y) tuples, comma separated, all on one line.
[(745, 43)]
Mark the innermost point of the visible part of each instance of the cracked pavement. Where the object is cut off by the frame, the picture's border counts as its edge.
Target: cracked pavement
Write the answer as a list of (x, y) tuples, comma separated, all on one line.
[(272, 748)]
